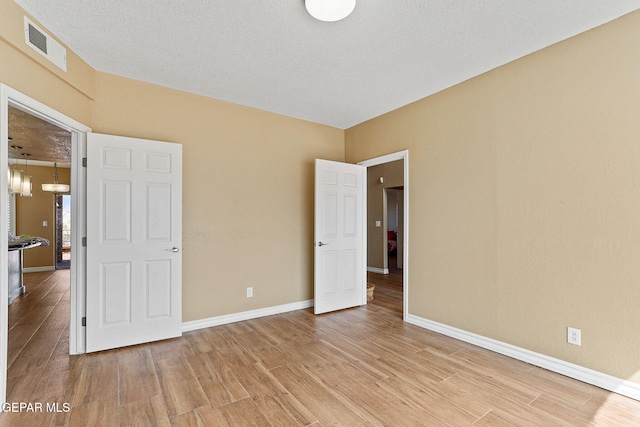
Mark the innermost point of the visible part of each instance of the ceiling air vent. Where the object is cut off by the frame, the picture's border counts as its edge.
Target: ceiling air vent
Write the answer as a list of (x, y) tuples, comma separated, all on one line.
[(37, 39), (44, 44)]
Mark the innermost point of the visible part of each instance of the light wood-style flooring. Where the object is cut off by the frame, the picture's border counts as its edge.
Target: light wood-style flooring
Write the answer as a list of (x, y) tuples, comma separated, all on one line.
[(357, 367)]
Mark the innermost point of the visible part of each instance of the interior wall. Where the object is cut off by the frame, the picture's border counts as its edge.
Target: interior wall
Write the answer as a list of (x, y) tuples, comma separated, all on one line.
[(395, 221), (25, 70), (69, 92), (525, 199), (32, 211), (247, 191), (392, 173), (392, 210), (248, 174)]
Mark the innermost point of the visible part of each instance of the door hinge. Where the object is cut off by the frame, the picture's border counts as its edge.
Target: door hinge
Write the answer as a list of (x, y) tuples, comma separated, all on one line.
[(84, 321), (84, 241), (84, 162)]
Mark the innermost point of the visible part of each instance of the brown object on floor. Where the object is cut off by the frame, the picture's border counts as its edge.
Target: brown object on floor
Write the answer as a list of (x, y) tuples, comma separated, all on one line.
[(355, 367), (370, 288)]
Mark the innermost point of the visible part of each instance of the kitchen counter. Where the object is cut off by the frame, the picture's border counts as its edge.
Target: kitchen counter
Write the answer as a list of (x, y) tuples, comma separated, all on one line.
[(19, 243), (16, 246)]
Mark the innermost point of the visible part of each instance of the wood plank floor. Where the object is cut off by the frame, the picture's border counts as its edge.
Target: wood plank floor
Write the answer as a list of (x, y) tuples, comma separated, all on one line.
[(357, 367)]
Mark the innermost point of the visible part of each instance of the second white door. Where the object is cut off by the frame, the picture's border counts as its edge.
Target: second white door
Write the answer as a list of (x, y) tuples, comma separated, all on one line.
[(340, 256)]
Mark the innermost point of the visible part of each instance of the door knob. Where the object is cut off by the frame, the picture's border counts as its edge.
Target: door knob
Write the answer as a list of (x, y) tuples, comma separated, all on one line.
[(322, 244), (173, 249)]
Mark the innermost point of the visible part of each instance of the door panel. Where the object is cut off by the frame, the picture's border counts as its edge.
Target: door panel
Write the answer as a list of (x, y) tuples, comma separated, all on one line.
[(340, 258), (115, 198), (115, 292), (134, 236)]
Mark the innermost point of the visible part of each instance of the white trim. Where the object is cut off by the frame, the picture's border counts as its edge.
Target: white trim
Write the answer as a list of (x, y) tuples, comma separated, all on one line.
[(4, 221), (378, 270), (38, 269), (589, 376), (363, 244), (77, 332), (387, 158), (244, 315), (400, 155), (40, 163)]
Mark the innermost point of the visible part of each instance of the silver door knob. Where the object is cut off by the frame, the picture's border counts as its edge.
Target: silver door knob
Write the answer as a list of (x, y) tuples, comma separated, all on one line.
[(322, 244), (173, 249)]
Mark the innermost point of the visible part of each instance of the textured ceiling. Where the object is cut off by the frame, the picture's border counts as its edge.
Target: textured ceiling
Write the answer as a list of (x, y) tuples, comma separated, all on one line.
[(34, 139), (274, 56)]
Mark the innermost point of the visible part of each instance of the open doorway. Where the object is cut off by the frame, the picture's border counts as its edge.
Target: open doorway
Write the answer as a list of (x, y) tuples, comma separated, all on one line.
[(395, 230), (39, 314), (16, 102), (387, 230)]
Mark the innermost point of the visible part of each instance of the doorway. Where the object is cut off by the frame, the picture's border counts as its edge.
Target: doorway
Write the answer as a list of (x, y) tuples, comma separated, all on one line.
[(12, 99), (385, 173), (395, 230), (63, 231), (38, 316)]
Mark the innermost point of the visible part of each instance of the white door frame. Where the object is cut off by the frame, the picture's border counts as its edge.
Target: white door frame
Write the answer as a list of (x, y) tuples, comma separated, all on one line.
[(9, 96), (400, 155)]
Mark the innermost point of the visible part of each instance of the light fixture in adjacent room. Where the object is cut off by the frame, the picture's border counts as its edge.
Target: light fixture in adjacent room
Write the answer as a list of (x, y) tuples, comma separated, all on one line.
[(15, 180), (330, 10), (27, 186), (15, 175), (55, 187)]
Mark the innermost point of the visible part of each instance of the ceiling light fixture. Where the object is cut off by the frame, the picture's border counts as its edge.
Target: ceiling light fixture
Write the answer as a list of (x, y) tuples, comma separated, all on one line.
[(330, 10), (27, 187), (55, 187), (15, 180)]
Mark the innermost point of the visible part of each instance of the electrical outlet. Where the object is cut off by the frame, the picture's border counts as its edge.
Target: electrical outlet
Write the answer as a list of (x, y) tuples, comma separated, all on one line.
[(250, 292), (573, 336)]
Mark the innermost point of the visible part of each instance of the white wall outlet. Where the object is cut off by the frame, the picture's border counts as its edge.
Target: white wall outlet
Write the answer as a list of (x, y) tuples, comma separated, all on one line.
[(573, 336), (45, 223), (378, 223), (250, 292)]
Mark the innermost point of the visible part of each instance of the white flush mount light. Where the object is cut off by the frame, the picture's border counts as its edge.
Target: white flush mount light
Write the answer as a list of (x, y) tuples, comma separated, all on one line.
[(330, 10)]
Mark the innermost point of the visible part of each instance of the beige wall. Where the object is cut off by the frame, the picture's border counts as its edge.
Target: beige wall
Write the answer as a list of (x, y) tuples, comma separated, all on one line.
[(248, 174), (31, 211), (247, 191), (25, 70), (376, 209), (525, 199)]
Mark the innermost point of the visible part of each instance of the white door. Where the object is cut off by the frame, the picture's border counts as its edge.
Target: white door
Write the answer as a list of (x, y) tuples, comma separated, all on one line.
[(134, 241), (340, 258)]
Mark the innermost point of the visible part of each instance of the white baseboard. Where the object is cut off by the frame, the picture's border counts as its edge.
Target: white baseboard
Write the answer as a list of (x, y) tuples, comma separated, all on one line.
[(38, 269), (589, 376), (244, 315), (378, 270)]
